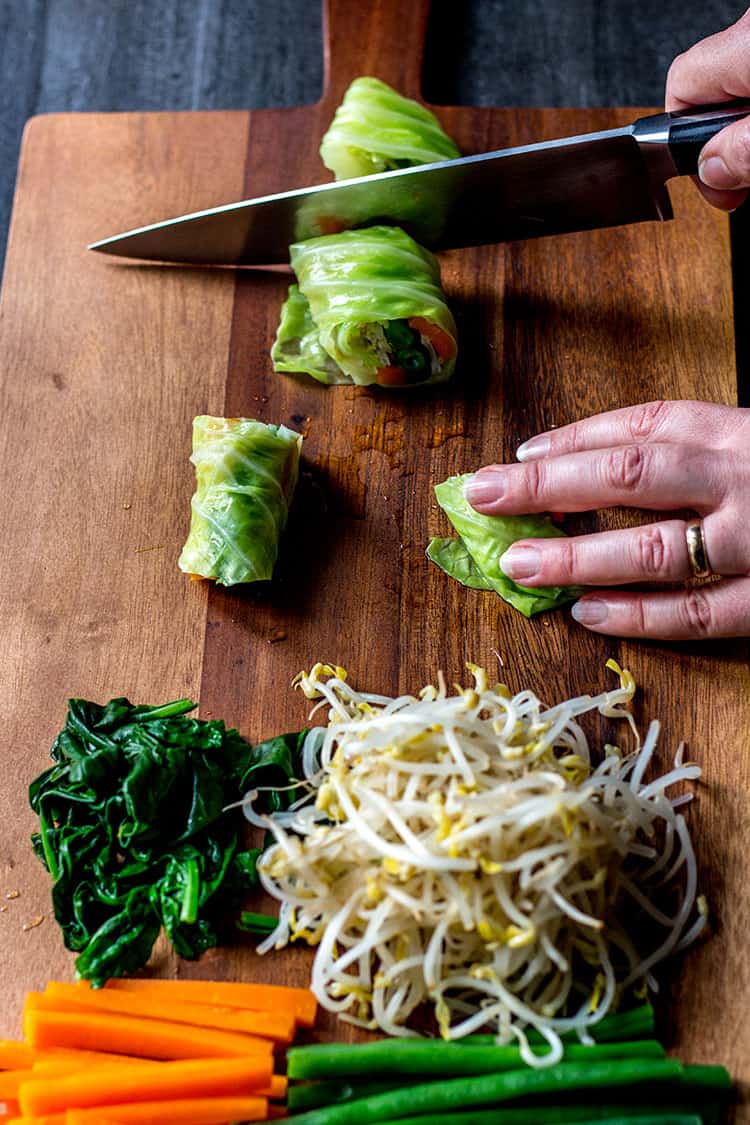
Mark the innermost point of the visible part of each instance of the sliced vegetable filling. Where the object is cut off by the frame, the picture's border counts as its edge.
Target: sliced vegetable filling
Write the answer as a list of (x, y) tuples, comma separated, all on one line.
[(368, 308)]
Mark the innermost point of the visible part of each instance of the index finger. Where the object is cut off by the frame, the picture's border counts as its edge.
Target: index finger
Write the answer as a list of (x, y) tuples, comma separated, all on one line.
[(701, 423), (712, 71)]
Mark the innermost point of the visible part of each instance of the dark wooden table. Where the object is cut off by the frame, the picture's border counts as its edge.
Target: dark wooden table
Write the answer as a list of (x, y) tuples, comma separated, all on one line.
[(58, 55)]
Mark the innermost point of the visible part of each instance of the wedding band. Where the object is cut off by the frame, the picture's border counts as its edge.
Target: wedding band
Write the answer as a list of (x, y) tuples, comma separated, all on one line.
[(696, 548)]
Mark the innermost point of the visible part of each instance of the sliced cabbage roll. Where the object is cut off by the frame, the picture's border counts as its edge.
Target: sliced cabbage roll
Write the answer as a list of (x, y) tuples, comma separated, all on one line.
[(245, 473), (374, 307), (375, 129), (474, 559)]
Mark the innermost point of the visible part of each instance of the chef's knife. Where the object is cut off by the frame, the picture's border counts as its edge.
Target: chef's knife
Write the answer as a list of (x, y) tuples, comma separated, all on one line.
[(576, 183)]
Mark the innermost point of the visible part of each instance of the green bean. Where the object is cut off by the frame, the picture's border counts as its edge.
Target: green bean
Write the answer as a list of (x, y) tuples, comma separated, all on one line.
[(715, 1077), (427, 1057), (553, 1115), (637, 1023), (313, 1094), (458, 1093), (399, 334)]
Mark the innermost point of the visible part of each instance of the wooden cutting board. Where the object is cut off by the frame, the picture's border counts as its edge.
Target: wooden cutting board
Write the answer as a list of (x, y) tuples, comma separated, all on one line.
[(104, 366)]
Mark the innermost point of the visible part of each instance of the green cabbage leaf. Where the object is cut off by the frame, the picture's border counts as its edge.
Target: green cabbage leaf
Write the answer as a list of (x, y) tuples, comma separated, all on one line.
[(297, 347), (474, 559), (376, 129)]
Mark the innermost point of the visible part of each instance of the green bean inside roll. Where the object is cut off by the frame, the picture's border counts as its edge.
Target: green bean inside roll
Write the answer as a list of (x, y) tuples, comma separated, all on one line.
[(368, 309), (246, 472)]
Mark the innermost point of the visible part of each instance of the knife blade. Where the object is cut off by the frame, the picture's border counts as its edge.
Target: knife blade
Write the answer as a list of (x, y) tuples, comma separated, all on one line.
[(574, 183)]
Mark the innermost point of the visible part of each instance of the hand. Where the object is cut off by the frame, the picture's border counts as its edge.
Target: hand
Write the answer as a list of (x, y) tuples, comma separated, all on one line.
[(662, 455), (713, 71)]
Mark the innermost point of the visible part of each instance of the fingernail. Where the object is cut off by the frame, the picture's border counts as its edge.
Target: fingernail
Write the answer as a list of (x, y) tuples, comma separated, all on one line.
[(484, 489), (521, 562), (714, 173), (534, 447), (593, 611)]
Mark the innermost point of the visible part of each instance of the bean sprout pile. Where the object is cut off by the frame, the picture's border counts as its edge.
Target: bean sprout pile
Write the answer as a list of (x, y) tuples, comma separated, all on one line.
[(462, 849)]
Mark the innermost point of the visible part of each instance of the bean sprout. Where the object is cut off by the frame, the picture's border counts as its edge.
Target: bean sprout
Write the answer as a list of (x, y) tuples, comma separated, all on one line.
[(465, 852)]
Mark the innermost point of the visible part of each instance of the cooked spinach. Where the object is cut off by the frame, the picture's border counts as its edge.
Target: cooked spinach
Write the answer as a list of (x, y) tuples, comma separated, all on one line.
[(271, 766), (132, 831)]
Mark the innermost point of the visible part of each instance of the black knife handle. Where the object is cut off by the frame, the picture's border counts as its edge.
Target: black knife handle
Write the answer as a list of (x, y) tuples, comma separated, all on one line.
[(689, 130)]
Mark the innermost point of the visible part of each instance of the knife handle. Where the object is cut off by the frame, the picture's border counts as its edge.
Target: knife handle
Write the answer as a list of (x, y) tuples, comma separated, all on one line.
[(689, 130)]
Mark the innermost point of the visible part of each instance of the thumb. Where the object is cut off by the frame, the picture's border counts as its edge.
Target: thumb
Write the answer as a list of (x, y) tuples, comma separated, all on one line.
[(724, 163)]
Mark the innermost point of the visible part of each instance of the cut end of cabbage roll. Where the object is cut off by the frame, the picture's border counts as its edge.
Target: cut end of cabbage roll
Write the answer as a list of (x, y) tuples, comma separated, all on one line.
[(368, 309), (297, 348), (474, 558), (246, 473), (376, 129)]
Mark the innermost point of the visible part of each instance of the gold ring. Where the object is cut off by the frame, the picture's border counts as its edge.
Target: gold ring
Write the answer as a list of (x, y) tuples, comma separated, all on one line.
[(696, 548)]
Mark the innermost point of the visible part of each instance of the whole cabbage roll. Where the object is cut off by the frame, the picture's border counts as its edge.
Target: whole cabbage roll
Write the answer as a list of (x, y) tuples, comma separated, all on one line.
[(245, 473), (375, 129), (374, 307), (474, 559)]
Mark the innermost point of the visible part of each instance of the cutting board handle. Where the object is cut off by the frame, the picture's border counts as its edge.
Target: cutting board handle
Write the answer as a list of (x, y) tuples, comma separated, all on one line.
[(380, 38)]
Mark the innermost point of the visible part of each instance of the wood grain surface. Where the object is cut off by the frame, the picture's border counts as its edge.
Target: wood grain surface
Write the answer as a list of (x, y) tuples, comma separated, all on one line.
[(104, 366)]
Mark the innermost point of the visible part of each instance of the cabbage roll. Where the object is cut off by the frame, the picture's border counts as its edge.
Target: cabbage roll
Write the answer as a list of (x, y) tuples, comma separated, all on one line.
[(245, 473), (474, 559), (375, 129), (374, 307)]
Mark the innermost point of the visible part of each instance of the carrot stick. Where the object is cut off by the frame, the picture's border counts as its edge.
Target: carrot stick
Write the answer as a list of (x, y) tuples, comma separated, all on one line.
[(47, 1119), (10, 1080), (256, 997), (104, 1086), (20, 1056), (269, 1025), (182, 1111), (75, 1115), (151, 1039), (54, 1065), (276, 1088), (15, 1055)]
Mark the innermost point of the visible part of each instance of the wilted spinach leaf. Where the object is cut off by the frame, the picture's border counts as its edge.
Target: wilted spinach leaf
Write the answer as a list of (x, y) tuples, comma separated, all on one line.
[(132, 831)]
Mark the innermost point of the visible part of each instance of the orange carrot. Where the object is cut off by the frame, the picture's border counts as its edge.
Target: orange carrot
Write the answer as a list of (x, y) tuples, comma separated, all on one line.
[(151, 1039), (10, 1080), (256, 997), (390, 376), (12, 1109), (47, 1119), (20, 1056), (182, 1111), (142, 1082), (268, 1025), (276, 1088), (15, 1055), (76, 1115), (61, 1065), (442, 341)]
